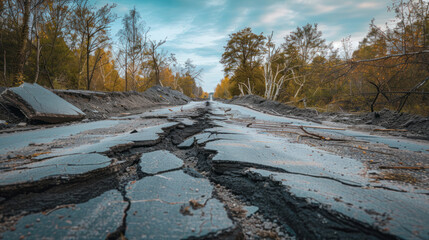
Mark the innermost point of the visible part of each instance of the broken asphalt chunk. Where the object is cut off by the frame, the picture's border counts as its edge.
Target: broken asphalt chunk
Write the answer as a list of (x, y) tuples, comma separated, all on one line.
[(159, 161), (38, 103), (94, 219), (58, 167), (163, 210)]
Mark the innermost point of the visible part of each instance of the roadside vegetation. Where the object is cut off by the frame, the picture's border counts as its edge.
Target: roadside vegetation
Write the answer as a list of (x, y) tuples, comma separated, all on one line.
[(389, 69), (68, 44)]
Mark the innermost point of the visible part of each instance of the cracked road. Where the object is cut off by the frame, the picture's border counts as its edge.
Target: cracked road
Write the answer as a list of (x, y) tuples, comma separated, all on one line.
[(207, 170)]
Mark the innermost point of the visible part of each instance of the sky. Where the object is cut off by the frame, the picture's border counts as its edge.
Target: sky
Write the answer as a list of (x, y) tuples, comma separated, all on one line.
[(199, 29)]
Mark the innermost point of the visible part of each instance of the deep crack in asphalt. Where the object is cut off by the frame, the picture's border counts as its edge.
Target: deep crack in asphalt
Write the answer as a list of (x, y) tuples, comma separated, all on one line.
[(305, 220)]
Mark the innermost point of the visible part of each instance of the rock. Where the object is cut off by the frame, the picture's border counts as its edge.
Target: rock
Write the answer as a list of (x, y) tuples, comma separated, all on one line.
[(22, 124), (268, 226), (38, 103), (250, 210)]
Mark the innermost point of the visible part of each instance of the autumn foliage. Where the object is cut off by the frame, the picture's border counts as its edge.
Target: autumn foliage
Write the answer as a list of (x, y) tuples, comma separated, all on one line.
[(389, 69), (67, 44)]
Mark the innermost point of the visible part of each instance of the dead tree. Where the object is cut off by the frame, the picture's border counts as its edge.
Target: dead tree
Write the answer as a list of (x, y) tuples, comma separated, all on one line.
[(156, 59), (243, 87)]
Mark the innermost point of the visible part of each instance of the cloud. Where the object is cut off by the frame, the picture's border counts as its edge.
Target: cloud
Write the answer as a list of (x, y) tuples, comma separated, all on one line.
[(318, 8), (329, 31), (369, 5), (277, 13), (198, 59), (196, 41), (199, 29), (170, 31), (238, 20)]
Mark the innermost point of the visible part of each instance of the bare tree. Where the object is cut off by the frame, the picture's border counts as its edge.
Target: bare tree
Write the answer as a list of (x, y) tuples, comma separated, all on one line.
[(133, 37), (38, 19), (91, 27), (275, 74), (245, 89), (157, 59)]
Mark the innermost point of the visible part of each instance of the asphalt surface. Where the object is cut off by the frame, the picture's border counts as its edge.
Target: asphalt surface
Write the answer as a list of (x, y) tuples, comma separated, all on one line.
[(209, 170)]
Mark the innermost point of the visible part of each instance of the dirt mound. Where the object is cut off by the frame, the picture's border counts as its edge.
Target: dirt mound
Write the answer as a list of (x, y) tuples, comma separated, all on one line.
[(390, 119), (99, 105), (385, 118)]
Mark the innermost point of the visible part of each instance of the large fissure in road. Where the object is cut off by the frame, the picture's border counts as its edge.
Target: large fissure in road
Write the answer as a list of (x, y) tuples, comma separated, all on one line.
[(178, 183)]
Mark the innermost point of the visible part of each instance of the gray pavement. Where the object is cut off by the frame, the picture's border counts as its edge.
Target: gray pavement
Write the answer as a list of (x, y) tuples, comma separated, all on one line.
[(207, 172)]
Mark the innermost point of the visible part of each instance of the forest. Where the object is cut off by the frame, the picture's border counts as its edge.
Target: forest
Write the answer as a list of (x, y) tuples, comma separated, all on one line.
[(68, 44), (389, 69)]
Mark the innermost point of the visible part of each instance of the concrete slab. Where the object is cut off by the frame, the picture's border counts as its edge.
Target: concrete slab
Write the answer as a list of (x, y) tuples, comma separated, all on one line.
[(95, 219), (159, 161), (38, 103), (173, 205)]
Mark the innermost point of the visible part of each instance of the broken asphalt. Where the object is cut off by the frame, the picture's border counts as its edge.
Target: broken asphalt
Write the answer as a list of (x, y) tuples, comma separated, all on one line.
[(209, 170)]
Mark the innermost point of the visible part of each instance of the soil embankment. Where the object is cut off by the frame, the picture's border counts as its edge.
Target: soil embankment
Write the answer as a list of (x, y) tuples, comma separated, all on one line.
[(416, 126), (100, 105)]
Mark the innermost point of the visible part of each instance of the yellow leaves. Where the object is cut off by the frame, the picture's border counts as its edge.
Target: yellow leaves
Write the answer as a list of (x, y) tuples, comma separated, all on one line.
[(363, 148), (204, 95), (222, 89), (38, 154), (195, 204), (21, 157)]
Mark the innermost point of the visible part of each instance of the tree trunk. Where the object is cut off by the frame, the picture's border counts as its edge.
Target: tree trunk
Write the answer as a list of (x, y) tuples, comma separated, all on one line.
[(37, 60), (126, 71), (376, 96), (38, 44), (24, 39), (88, 80), (4, 69)]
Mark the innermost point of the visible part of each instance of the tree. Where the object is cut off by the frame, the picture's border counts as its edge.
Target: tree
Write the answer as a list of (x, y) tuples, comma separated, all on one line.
[(396, 60), (300, 48), (156, 60), (56, 58), (243, 58), (24, 29), (275, 70), (91, 27), (222, 89), (133, 37), (307, 42), (106, 77)]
